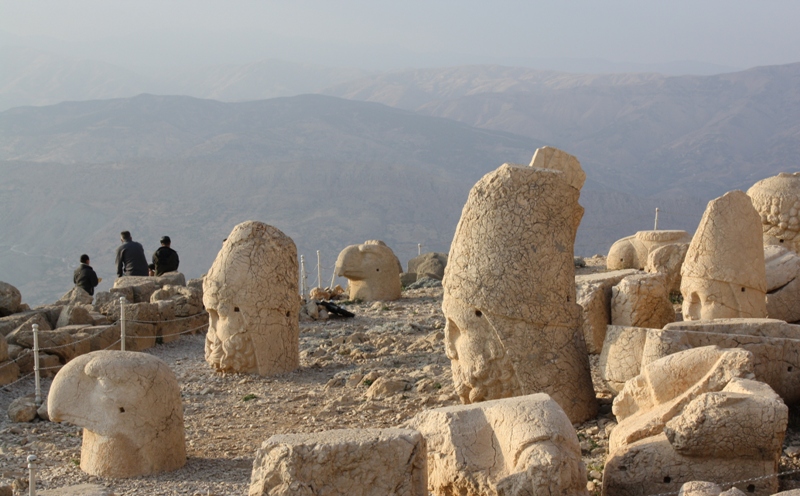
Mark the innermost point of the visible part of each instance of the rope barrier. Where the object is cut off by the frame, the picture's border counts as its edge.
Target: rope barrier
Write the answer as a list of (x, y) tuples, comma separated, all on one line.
[(177, 319)]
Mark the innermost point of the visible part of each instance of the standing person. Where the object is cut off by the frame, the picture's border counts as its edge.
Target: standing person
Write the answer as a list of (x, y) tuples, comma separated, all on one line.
[(85, 277), (131, 260), (165, 259)]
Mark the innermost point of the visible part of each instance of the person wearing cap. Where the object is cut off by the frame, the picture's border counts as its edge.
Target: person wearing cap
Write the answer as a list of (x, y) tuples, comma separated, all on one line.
[(165, 259), (85, 276), (131, 260)]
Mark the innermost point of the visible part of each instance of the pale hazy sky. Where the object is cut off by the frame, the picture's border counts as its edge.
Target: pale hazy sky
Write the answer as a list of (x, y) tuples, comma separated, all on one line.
[(382, 34)]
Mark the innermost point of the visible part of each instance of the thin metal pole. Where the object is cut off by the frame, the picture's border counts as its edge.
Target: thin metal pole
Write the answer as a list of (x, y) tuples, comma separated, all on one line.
[(655, 228), (319, 271), (333, 278), (38, 399), (419, 248), (31, 475), (122, 320), (303, 275)]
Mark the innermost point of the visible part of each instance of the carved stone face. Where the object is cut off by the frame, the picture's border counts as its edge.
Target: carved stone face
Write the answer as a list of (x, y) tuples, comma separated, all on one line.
[(481, 369), (251, 297), (707, 300)]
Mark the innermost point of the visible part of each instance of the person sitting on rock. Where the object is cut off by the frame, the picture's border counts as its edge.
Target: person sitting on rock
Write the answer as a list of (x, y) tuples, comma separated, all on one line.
[(131, 260), (165, 259), (85, 277)]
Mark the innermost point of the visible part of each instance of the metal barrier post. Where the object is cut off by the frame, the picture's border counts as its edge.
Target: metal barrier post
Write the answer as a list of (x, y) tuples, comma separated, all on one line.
[(655, 228), (38, 399), (303, 280), (31, 475), (419, 249), (319, 271), (122, 323)]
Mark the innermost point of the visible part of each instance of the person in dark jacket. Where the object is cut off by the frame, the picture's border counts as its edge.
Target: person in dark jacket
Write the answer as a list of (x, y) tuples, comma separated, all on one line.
[(131, 260), (85, 277), (165, 259)]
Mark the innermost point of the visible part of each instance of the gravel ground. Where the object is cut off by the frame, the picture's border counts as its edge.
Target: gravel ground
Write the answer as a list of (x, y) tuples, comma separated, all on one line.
[(228, 416)]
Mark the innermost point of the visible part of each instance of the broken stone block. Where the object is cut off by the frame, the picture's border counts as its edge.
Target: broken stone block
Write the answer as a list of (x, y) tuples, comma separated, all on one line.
[(667, 260), (129, 405), (783, 283), (621, 358), (594, 296), (679, 421), (346, 462), (641, 300), (513, 446), (777, 201), (774, 344)]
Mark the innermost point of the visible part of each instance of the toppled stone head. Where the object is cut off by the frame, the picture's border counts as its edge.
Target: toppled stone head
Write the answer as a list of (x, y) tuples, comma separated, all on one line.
[(513, 326), (372, 269), (777, 200), (129, 405), (723, 275), (251, 295)]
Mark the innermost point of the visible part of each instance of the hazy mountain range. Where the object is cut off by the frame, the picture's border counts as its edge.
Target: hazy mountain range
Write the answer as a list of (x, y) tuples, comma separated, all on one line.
[(332, 171)]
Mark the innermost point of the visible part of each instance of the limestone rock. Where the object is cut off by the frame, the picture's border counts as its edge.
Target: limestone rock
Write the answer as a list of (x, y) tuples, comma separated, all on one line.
[(700, 488), (429, 264), (777, 200), (621, 358), (74, 314), (641, 300), (682, 419), (129, 405), (594, 297), (76, 295), (3, 349), (348, 462), (513, 325), (783, 283), (187, 301), (26, 328), (551, 158), (251, 295), (10, 299), (23, 409), (170, 279), (372, 269), (667, 260), (143, 287), (141, 323), (723, 275), (774, 345), (515, 446), (9, 372), (632, 252)]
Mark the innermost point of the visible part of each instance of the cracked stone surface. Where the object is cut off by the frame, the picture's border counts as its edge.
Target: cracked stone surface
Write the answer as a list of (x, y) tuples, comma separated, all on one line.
[(345, 462), (783, 283), (777, 200), (372, 270), (641, 300), (683, 419), (594, 297), (251, 295), (621, 358), (513, 324), (129, 405), (516, 446), (723, 275)]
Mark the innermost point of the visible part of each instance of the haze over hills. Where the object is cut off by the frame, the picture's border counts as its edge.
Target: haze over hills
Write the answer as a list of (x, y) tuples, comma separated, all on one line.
[(328, 172), (644, 133)]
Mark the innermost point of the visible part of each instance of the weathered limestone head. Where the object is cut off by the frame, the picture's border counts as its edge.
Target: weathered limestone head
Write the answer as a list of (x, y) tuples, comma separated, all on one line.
[(723, 275), (129, 405), (514, 446), (251, 295), (372, 269), (777, 200), (513, 326), (631, 252)]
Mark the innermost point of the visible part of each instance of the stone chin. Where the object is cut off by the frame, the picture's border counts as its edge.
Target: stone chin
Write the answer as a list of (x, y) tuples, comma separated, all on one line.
[(481, 369)]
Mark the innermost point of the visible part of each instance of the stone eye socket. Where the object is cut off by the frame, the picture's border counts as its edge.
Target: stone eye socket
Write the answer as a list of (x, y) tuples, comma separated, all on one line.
[(235, 309), (121, 410), (478, 313)]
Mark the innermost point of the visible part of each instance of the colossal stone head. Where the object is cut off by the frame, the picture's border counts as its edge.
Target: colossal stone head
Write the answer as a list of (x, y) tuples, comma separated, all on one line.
[(631, 252), (723, 275), (251, 295), (129, 405), (777, 200), (372, 269), (513, 326)]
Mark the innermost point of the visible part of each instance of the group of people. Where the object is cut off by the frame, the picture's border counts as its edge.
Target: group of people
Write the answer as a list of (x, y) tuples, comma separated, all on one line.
[(131, 261)]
